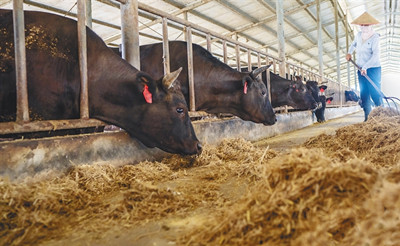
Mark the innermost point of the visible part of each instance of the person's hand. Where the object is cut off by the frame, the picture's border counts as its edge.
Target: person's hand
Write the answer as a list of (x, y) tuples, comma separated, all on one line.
[(348, 57), (363, 72)]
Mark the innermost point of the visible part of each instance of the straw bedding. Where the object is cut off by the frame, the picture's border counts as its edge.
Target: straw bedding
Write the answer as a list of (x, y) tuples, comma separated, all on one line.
[(342, 189)]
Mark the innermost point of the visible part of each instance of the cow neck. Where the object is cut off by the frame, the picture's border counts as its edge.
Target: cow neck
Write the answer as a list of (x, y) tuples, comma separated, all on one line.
[(222, 91), (110, 66), (106, 70), (279, 91)]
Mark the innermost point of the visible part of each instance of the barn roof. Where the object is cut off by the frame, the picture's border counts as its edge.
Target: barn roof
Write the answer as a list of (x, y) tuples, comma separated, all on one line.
[(252, 22)]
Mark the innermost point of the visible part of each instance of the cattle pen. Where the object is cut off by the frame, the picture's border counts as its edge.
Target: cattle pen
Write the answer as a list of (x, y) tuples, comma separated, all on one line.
[(250, 183)]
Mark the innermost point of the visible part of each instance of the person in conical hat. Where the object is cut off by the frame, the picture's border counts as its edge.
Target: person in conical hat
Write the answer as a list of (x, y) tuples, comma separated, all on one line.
[(366, 45)]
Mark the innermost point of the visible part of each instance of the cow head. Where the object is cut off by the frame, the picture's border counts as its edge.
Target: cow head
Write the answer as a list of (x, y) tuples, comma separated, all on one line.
[(351, 96), (255, 100), (155, 112), (300, 97)]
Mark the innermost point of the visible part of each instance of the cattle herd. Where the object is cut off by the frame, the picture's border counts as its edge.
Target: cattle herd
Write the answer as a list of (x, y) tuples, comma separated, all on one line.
[(149, 105)]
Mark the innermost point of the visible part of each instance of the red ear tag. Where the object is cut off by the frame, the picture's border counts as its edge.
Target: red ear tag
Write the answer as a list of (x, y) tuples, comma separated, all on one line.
[(321, 90), (245, 88), (297, 90), (147, 94), (329, 102)]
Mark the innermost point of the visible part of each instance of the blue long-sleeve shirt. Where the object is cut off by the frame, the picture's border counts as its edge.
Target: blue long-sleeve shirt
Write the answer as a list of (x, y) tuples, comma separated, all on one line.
[(367, 52)]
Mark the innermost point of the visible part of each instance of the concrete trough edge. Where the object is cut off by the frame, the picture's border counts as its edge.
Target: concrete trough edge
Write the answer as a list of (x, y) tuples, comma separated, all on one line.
[(22, 158)]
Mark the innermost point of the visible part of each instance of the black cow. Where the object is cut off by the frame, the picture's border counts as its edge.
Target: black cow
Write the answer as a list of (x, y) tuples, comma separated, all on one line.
[(318, 92), (351, 96), (218, 87), (155, 112), (288, 92)]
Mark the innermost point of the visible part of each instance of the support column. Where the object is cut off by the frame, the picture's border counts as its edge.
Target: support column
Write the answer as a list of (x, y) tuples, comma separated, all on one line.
[(320, 45), (82, 47), (190, 69), (130, 32), (337, 53), (225, 51), (166, 63), (89, 13), (281, 36), (347, 48), (208, 37), (20, 61)]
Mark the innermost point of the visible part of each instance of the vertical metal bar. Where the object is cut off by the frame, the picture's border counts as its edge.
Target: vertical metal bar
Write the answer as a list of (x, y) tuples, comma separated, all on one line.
[(274, 61), (167, 68), (208, 37), (355, 78), (347, 48), (225, 51), (281, 36), (89, 13), (237, 48), (287, 71), (190, 69), (269, 83), (249, 60), (20, 62), (320, 44), (82, 47), (185, 17), (302, 71), (130, 32), (337, 52), (259, 59)]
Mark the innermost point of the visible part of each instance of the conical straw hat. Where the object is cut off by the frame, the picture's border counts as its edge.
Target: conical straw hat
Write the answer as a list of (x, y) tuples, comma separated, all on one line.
[(365, 19)]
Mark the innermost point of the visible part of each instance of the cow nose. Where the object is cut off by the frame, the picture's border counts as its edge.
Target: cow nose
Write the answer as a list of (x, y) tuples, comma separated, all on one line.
[(199, 147)]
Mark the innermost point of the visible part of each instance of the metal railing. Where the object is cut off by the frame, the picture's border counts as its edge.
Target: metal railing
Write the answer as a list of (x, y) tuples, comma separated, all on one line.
[(22, 123)]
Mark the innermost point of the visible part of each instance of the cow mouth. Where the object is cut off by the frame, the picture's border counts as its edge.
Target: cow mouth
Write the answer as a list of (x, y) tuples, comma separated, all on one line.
[(196, 149), (270, 122)]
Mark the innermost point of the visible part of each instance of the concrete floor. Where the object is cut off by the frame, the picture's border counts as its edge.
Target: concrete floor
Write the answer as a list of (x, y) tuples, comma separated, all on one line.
[(291, 139)]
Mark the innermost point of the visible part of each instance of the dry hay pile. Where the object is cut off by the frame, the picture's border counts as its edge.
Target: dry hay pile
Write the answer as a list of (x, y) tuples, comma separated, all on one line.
[(377, 140), (94, 198), (245, 195)]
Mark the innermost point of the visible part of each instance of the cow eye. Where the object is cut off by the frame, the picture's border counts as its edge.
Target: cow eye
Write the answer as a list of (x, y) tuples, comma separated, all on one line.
[(179, 110), (263, 93)]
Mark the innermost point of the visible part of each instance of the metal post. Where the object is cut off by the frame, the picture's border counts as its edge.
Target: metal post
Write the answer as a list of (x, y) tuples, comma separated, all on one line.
[(237, 48), (190, 69), (166, 60), (185, 17), (347, 48), (89, 13), (287, 71), (82, 47), (225, 51), (130, 32), (20, 62), (268, 83), (208, 37), (355, 78), (281, 36), (337, 52), (249, 60), (320, 45), (258, 59)]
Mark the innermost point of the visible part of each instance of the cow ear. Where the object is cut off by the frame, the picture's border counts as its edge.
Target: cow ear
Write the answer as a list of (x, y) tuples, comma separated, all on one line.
[(246, 83), (169, 79), (329, 100), (323, 87), (144, 85)]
